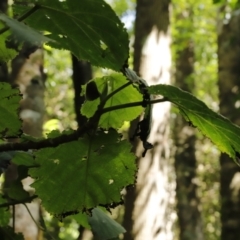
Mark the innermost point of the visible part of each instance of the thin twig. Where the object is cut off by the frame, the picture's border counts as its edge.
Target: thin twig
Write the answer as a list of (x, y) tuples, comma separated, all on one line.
[(134, 104), (54, 142), (14, 202)]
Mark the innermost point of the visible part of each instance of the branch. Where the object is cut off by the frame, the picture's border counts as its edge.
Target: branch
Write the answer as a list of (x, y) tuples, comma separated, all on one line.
[(14, 202), (23, 17), (134, 104)]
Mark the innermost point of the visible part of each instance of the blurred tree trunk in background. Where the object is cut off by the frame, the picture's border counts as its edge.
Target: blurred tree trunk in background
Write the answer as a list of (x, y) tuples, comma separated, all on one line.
[(189, 217), (149, 205), (229, 94), (27, 73)]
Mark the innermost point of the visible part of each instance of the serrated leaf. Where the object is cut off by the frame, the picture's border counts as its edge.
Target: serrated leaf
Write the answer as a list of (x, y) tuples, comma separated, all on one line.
[(10, 124), (103, 227), (88, 28), (115, 118), (21, 33), (219, 129), (72, 177), (4, 213)]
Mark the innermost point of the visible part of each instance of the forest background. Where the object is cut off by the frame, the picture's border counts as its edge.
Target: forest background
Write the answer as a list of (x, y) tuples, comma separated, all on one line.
[(205, 53)]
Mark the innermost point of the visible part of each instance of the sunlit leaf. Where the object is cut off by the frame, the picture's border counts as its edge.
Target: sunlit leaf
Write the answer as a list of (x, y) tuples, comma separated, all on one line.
[(115, 118)]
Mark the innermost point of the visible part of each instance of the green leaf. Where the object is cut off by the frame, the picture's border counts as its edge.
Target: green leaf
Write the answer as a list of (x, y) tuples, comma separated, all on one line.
[(6, 54), (21, 33), (103, 227), (81, 219), (83, 174), (219, 129), (25, 159), (90, 29), (9, 104), (7, 233), (4, 213), (115, 118)]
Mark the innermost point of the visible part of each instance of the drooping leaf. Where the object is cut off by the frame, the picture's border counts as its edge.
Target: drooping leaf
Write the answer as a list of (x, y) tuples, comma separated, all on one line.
[(217, 128), (115, 118), (21, 33), (103, 227), (88, 28), (82, 174), (9, 104)]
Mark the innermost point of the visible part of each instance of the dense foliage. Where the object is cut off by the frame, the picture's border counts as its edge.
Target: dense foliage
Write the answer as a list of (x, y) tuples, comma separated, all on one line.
[(91, 164)]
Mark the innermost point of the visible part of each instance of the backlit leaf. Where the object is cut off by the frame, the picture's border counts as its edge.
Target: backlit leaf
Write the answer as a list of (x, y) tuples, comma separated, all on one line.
[(83, 174), (217, 128)]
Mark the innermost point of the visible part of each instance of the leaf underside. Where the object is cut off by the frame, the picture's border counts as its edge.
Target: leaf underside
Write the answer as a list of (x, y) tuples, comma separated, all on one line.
[(217, 128), (90, 29)]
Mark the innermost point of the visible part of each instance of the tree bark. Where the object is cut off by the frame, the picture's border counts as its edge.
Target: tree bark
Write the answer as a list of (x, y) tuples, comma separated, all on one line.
[(148, 207), (229, 82)]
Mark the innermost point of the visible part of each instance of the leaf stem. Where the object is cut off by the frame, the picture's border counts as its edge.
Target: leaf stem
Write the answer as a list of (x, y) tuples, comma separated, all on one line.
[(23, 17), (134, 104)]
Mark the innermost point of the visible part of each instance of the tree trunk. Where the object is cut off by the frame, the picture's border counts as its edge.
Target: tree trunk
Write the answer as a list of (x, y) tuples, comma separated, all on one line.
[(189, 217), (229, 82), (148, 208)]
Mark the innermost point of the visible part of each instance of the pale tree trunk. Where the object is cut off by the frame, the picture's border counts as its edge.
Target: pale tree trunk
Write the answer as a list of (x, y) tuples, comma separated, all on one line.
[(229, 83), (148, 208), (189, 217), (27, 73)]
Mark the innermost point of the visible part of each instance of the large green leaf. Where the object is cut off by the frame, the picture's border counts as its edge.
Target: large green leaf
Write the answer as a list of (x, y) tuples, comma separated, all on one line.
[(115, 118), (83, 174), (220, 130), (88, 28), (10, 124)]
